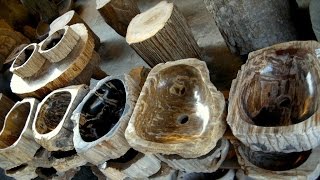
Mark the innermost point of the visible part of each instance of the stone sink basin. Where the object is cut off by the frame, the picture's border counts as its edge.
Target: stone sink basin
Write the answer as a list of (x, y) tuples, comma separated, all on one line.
[(179, 111)]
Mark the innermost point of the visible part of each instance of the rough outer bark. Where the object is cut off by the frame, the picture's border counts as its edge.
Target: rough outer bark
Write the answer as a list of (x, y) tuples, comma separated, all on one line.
[(61, 50), (65, 164), (208, 163), (23, 172), (165, 173), (287, 137), (113, 144), (60, 74), (118, 13), (60, 138), (249, 25), (6, 105), (17, 143), (314, 15), (309, 170), (140, 167), (171, 41), (28, 66), (70, 18)]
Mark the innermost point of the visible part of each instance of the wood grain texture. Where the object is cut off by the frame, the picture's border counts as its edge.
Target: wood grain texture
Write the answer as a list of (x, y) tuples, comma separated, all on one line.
[(17, 144), (165, 173), (139, 167), (52, 127), (95, 140), (6, 105), (249, 25), (162, 34), (310, 169), (60, 74), (118, 13), (208, 163), (71, 18), (273, 104), (23, 172), (59, 44), (179, 111), (28, 62)]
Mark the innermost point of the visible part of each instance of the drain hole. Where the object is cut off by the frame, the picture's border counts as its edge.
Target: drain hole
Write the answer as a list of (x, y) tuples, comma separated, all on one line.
[(182, 119)]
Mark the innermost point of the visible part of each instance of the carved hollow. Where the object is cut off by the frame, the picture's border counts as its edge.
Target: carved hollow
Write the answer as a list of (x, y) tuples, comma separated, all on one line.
[(6, 105), (133, 164), (102, 117), (60, 74), (162, 34), (17, 144), (70, 18), (28, 62), (179, 111), (58, 45), (273, 104), (52, 127), (261, 165), (118, 13), (207, 163)]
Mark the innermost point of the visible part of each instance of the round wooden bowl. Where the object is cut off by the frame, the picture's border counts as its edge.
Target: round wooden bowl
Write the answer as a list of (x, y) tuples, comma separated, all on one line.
[(28, 62)]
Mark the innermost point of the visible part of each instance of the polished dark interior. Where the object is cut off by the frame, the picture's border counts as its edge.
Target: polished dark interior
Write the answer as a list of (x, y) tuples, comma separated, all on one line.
[(103, 110), (282, 92), (53, 40), (52, 112), (62, 154), (24, 56)]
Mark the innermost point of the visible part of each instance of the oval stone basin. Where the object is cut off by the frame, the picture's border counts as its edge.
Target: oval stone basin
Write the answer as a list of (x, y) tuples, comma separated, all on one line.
[(178, 106)]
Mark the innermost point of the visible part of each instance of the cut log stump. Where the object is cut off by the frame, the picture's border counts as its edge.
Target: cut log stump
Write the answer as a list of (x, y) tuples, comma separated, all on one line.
[(52, 127), (118, 13), (162, 34), (102, 117), (17, 145), (273, 102), (249, 25)]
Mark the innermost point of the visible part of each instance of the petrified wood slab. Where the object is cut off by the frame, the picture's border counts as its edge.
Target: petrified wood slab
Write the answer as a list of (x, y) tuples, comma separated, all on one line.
[(273, 102), (102, 117), (59, 44), (17, 145), (23, 172), (133, 164), (52, 127), (260, 165), (28, 62), (162, 34), (60, 74), (70, 18), (6, 105), (179, 111), (207, 163), (118, 13)]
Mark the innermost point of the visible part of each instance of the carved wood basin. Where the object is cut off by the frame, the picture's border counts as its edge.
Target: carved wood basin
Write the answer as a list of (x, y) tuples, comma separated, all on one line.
[(273, 103), (179, 111)]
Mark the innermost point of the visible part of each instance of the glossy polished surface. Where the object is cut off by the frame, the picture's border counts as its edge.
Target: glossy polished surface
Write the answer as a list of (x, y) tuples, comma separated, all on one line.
[(177, 106), (282, 88)]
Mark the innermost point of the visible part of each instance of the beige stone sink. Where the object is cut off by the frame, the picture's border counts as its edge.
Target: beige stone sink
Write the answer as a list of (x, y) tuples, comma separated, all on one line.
[(179, 111)]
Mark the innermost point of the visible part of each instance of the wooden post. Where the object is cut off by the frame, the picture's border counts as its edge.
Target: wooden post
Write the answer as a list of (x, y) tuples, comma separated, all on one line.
[(249, 25), (70, 18), (162, 34), (166, 118), (6, 105), (96, 138), (118, 13), (273, 102), (52, 127)]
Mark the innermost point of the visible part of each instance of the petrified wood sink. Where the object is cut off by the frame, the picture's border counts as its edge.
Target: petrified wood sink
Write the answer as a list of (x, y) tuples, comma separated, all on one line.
[(273, 103), (102, 117), (261, 165), (28, 62), (17, 144), (179, 111), (52, 127)]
